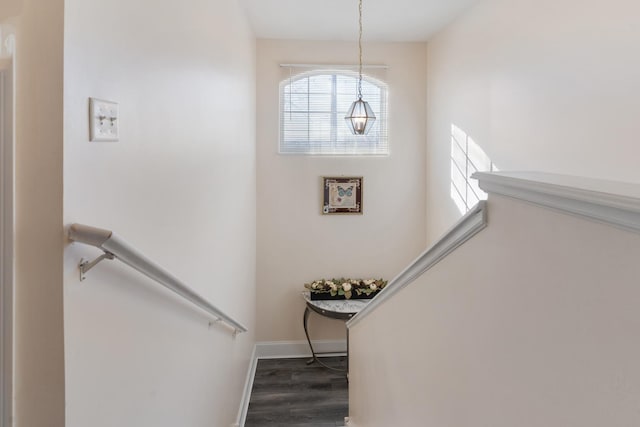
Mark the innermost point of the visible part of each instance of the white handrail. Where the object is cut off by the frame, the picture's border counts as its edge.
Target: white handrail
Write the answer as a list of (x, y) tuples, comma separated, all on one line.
[(470, 224), (608, 202), (114, 247)]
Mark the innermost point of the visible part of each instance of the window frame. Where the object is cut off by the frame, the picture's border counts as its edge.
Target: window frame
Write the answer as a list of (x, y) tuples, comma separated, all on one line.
[(337, 116)]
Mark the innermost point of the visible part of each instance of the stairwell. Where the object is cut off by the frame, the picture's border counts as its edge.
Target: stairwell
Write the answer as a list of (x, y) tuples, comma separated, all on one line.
[(531, 321)]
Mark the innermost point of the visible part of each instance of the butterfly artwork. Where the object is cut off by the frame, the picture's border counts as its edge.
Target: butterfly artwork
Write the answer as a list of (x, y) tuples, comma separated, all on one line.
[(348, 191), (342, 195)]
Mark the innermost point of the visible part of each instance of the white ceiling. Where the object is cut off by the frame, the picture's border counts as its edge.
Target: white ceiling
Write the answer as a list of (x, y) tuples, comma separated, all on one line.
[(383, 20)]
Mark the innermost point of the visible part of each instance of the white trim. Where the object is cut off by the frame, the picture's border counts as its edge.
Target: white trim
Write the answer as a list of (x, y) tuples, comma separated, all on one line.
[(246, 393), (470, 224), (282, 350), (7, 206), (609, 202)]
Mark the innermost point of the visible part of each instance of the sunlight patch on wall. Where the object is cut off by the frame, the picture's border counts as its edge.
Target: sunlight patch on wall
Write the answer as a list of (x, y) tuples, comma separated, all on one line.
[(467, 158), (7, 41)]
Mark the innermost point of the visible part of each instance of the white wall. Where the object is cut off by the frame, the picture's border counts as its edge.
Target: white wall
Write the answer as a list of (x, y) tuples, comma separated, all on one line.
[(10, 9), (539, 85), (533, 322), (38, 329), (179, 186), (296, 243)]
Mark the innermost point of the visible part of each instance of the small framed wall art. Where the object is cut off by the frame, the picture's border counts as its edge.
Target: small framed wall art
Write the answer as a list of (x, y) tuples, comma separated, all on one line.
[(342, 195)]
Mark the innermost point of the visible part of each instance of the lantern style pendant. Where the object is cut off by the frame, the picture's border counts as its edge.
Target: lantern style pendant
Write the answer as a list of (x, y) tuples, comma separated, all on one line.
[(360, 116)]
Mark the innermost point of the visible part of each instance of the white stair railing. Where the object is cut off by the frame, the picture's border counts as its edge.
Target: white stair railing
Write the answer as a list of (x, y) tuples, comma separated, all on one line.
[(473, 222), (116, 248)]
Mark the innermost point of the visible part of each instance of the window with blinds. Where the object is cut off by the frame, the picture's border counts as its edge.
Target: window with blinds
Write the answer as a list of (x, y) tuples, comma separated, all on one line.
[(312, 109)]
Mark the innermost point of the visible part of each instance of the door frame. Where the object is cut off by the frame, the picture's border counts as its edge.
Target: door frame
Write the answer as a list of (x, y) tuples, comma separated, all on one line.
[(7, 206)]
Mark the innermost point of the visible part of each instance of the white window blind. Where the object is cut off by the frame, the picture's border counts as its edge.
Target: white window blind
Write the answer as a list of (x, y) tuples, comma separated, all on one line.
[(313, 103)]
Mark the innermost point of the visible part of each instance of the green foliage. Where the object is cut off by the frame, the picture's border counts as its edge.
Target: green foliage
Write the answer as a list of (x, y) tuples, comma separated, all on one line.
[(346, 287)]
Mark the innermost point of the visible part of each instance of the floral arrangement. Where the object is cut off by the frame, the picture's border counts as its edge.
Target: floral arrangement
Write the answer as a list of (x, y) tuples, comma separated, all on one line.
[(346, 288)]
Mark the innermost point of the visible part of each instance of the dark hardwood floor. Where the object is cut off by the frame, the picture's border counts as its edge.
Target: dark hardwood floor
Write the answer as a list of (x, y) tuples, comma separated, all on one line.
[(288, 392)]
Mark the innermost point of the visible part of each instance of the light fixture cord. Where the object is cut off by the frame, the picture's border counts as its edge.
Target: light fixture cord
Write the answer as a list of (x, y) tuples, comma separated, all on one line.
[(360, 49)]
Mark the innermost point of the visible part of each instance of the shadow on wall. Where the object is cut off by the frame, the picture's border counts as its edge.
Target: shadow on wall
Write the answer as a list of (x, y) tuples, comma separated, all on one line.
[(467, 158)]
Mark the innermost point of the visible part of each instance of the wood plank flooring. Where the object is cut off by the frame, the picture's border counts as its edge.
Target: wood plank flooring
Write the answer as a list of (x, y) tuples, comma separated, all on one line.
[(288, 392)]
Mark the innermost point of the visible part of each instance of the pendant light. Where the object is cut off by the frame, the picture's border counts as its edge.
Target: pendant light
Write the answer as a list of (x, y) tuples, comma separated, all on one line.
[(360, 116)]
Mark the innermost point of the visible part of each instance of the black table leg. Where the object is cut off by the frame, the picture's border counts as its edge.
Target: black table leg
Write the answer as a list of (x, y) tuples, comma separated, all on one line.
[(347, 353), (305, 320), (314, 358)]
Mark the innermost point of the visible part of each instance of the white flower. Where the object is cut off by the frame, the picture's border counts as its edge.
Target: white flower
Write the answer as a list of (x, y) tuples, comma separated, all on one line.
[(355, 282), (373, 286), (369, 281), (314, 285), (333, 286), (346, 286)]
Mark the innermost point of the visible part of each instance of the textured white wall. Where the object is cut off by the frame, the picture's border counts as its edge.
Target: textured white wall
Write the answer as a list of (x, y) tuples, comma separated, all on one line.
[(539, 85), (39, 342), (296, 243), (533, 322), (179, 186)]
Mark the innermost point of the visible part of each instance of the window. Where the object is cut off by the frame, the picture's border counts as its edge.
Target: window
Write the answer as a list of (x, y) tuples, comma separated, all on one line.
[(312, 109)]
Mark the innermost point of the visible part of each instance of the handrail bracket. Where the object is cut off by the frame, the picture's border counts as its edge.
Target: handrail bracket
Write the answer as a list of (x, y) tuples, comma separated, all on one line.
[(85, 266)]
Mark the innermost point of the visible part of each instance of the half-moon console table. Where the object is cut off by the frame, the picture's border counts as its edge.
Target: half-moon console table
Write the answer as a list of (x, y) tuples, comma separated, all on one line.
[(343, 309)]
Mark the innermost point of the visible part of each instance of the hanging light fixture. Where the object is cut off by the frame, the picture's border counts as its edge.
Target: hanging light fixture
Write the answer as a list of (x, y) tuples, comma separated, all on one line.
[(360, 116)]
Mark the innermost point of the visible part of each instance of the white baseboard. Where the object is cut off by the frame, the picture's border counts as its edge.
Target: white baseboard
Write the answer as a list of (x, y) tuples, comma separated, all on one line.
[(290, 349), (282, 350), (246, 393)]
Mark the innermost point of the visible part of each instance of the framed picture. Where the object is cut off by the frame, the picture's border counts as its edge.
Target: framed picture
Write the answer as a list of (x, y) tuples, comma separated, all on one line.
[(342, 195)]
